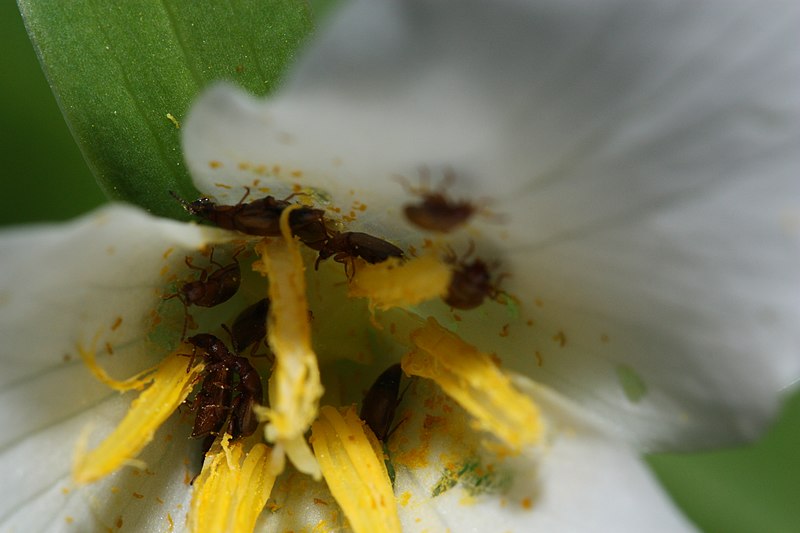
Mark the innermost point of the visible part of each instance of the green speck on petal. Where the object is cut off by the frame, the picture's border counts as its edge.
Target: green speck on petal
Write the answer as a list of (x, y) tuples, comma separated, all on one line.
[(631, 382), (512, 308), (476, 479)]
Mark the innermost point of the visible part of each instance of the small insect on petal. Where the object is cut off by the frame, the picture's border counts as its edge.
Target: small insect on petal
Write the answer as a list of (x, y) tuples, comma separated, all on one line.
[(171, 384), (436, 211), (232, 488), (294, 387), (472, 379), (353, 467), (261, 217), (395, 283)]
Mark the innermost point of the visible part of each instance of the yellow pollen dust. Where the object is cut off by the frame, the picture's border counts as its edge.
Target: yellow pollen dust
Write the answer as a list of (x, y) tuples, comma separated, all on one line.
[(171, 384), (294, 386), (474, 381), (353, 467), (397, 283), (232, 489)]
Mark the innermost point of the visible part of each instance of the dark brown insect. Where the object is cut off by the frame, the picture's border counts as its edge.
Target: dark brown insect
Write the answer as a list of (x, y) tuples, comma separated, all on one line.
[(471, 283), (261, 217), (436, 211), (378, 409), (215, 288), (250, 326), (209, 289), (381, 401), (225, 403), (346, 246), (214, 400), (243, 419)]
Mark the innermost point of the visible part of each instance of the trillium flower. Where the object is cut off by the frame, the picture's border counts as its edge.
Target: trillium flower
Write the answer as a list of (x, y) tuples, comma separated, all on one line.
[(635, 166)]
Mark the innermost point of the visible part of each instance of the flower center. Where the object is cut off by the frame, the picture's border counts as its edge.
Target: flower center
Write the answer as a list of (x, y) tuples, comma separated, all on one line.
[(319, 324)]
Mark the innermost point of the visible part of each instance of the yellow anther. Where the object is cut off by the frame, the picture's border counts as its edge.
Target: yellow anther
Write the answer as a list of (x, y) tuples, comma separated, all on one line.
[(355, 472), (473, 380), (232, 489), (294, 387), (171, 384), (397, 283)]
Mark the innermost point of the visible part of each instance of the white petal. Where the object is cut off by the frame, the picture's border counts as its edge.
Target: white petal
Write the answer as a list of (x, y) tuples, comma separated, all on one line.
[(301, 504), (582, 480), (523, 95), (643, 152), (59, 286), (699, 302), (39, 495)]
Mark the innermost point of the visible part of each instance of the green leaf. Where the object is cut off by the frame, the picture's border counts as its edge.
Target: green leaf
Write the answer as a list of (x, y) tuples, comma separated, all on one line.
[(125, 74)]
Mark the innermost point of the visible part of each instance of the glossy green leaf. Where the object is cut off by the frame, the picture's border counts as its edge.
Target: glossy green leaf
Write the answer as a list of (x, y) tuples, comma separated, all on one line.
[(125, 73)]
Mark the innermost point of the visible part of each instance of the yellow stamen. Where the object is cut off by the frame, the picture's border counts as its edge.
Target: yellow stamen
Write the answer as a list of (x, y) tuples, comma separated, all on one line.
[(171, 384), (229, 493), (354, 471), (395, 283), (136, 382), (294, 387), (474, 381)]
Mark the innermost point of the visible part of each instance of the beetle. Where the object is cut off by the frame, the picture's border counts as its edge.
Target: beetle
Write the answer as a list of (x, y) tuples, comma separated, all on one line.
[(223, 402), (215, 288), (380, 402), (346, 246), (250, 326), (211, 289), (214, 399), (471, 282), (436, 211), (379, 407), (261, 217), (243, 421)]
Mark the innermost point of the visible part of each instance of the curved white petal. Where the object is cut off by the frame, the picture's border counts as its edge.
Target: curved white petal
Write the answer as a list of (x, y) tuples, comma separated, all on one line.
[(582, 479), (298, 503), (644, 154), (39, 494), (60, 286), (700, 302)]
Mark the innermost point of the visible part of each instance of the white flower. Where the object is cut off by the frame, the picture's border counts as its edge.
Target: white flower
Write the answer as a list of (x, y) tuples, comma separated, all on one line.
[(643, 157)]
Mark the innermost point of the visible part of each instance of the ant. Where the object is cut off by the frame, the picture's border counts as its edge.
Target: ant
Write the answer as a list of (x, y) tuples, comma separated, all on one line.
[(210, 289), (471, 282), (436, 212), (261, 217), (217, 408), (346, 246)]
